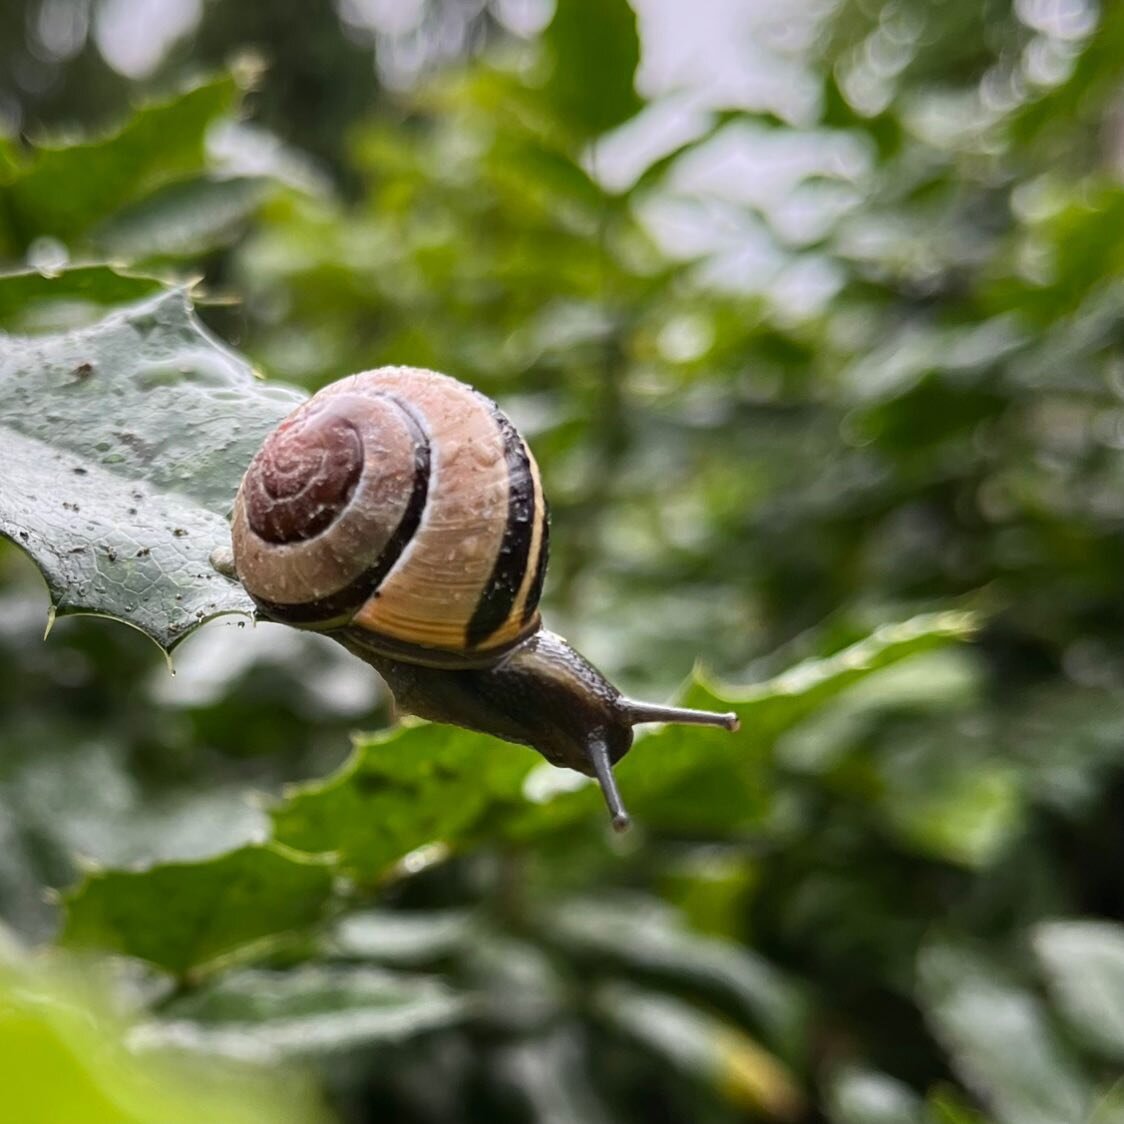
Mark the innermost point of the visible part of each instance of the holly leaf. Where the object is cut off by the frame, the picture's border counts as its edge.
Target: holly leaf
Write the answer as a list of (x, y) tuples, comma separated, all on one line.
[(181, 916), (161, 142), (399, 791), (127, 440), (28, 298), (184, 219), (768, 708), (423, 784)]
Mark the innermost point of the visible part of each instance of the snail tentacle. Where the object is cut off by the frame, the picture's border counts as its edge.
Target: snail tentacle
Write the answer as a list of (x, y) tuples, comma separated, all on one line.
[(597, 751)]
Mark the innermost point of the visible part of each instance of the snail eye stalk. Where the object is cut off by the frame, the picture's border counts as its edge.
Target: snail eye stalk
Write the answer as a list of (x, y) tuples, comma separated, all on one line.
[(637, 712), (634, 713), (598, 753)]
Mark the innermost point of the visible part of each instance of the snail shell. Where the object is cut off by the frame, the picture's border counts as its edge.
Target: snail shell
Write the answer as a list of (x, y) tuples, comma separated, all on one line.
[(402, 503)]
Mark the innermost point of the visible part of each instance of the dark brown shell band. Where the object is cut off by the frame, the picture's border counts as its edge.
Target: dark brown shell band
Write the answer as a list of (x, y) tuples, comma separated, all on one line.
[(498, 598)]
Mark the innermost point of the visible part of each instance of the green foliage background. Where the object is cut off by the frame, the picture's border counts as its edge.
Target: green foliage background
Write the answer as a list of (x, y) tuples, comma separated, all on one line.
[(859, 450)]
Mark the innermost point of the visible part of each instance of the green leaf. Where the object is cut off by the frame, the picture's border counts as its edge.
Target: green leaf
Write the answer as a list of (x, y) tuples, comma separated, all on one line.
[(710, 126), (27, 295), (863, 1096), (1000, 1038), (307, 1012), (684, 777), (400, 938), (63, 190), (1109, 1107), (1084, 965), (649, 938), (550, 1071), (767, 708), (128, 439), (399, 791), (183, 219), (949, 1106), (595, 51), (949, 803), (68, 1057), (181, 916), (942, 684), (9, 157), (708, 1049)]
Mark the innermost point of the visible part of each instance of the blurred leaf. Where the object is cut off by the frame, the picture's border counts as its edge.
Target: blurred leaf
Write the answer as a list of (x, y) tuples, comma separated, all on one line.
[(1084, 88), (1109, 1108), (62, 190), (92, 804), (689, 777), (1000, 1039), (9, 157), (242, 150), (655, 173), (947, 1106), (305, 1012), (863, 1096), (183, 219), (595, 52), (711, 887), (23, 295), (1080, 247), (65, 1058), (401, 938), (552, 1074), (1084, 965), (949, 803), (642, 937), (1070, 741), (128, 441), (705, 1048), (398, 791), (181, 916), (766, 708), (945, 682), (521, 986)]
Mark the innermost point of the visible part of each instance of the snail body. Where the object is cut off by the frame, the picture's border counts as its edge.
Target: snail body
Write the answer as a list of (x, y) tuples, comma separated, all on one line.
[(400, 512)]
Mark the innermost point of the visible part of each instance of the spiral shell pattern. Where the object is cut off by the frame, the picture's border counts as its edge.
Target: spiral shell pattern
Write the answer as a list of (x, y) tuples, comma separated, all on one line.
[(402, 503)]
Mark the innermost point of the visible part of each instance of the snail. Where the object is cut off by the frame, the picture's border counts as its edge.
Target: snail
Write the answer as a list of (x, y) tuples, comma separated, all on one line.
[(400, 512)]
